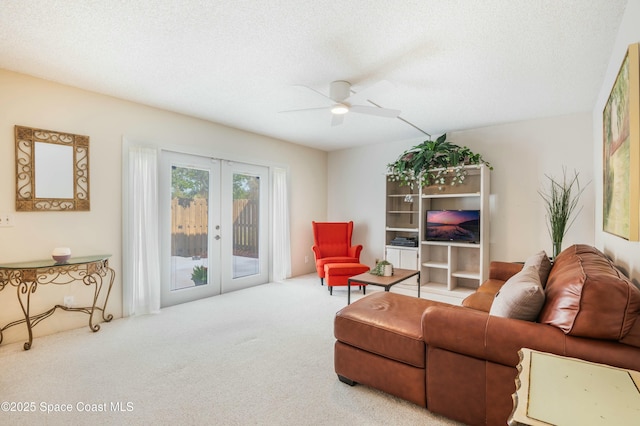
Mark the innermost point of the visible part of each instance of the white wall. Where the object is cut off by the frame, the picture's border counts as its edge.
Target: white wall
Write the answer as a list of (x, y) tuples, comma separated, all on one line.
[(521, 154), (357, 182), (38, 103), (624, 253)]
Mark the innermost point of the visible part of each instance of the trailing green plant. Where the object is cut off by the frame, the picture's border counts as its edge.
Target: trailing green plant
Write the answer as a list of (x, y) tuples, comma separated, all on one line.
[(199, 275), (379, 268), (434, 162), (561, 199)]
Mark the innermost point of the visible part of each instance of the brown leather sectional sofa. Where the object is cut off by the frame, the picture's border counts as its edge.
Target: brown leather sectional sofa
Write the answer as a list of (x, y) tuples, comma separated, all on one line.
[(460, 362)]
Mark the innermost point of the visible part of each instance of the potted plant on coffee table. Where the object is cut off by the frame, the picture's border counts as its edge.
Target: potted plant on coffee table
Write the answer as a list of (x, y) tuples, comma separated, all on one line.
[(383, 268)]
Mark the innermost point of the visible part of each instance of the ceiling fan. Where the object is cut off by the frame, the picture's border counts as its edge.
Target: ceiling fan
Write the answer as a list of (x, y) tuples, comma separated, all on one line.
[(344, 101)]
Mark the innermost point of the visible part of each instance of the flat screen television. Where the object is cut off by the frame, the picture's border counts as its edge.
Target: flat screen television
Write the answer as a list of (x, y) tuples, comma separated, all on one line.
[(453, 225)]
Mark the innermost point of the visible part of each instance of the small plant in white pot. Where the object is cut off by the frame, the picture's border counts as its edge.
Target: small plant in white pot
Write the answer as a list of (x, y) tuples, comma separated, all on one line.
[(383, 268)]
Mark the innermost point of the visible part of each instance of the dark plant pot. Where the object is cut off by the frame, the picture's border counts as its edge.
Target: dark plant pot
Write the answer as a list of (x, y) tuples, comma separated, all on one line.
[(199, 282)]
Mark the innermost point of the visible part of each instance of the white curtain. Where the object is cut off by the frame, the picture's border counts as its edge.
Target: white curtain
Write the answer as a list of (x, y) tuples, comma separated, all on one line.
[(281, 241), (142, 274)]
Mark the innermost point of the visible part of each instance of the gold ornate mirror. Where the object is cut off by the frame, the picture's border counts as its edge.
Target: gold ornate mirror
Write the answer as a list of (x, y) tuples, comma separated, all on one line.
[(52, 170)]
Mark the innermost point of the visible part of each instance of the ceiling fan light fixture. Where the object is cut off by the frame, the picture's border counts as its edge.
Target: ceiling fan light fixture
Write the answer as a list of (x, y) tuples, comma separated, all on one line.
[(339, 109)]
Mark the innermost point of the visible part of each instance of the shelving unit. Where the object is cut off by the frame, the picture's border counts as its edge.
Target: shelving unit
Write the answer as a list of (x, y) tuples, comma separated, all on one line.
[(447, 267), (402, 221)]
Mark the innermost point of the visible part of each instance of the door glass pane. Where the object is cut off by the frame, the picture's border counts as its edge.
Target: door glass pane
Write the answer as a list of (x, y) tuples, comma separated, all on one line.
[(246, 211), (189, 227)]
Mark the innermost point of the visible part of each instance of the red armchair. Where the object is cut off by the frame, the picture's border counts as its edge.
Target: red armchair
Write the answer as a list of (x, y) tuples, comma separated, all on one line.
[(332, 244)]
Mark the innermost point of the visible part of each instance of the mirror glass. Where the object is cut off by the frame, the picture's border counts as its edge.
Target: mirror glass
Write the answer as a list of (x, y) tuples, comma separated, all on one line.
[(52, 170)]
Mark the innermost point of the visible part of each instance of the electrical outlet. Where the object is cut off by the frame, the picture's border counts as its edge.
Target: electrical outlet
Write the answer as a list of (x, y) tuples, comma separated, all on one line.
[(6, 220), (69, 301), (306, 259)]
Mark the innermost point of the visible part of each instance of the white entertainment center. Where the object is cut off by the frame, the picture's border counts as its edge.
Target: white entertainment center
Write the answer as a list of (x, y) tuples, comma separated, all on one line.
[(452, 268)]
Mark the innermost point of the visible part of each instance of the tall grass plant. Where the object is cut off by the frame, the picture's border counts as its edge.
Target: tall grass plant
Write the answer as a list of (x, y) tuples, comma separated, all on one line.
[(561, 199)]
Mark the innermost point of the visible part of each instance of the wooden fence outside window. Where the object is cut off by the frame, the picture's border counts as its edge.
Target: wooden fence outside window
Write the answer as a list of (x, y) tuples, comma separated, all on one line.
[(190, 230)]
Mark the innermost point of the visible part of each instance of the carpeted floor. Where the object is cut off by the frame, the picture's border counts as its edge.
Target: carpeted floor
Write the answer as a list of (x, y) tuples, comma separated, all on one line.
[(260, 356)]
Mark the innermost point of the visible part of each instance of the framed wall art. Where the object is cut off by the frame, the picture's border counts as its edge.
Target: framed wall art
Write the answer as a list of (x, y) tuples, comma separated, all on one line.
[(621, 151)]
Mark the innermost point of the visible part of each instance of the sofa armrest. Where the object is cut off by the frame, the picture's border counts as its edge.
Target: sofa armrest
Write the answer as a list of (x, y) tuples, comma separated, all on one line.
[(480, 335), (503, 270), (499, 273), (480, 301)]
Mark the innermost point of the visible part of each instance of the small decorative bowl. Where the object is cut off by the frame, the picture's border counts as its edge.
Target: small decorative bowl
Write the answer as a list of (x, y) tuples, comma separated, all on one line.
[(61, 258), (61, 254)]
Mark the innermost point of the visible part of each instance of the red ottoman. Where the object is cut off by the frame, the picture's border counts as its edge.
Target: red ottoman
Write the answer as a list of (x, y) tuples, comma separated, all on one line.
[(339, 273)]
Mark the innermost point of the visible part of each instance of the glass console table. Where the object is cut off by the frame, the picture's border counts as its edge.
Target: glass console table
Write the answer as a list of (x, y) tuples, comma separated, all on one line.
[(27, 277)]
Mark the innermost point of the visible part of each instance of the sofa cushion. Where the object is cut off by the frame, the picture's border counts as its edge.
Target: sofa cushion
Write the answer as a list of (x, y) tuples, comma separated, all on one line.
[(521, 297), (588, 296), (541, 262)]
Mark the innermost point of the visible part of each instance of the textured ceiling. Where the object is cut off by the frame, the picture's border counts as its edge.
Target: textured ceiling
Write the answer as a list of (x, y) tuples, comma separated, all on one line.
[(447, 65)]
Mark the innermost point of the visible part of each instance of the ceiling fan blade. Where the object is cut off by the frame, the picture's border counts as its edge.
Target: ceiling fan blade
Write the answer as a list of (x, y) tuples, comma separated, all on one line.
[(314, 90), (373, 88), (380, 112), (306, 109), (337, 119)]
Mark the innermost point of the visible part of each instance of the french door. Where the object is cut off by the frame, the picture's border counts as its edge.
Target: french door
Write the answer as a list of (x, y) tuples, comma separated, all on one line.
[(214, 226)]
